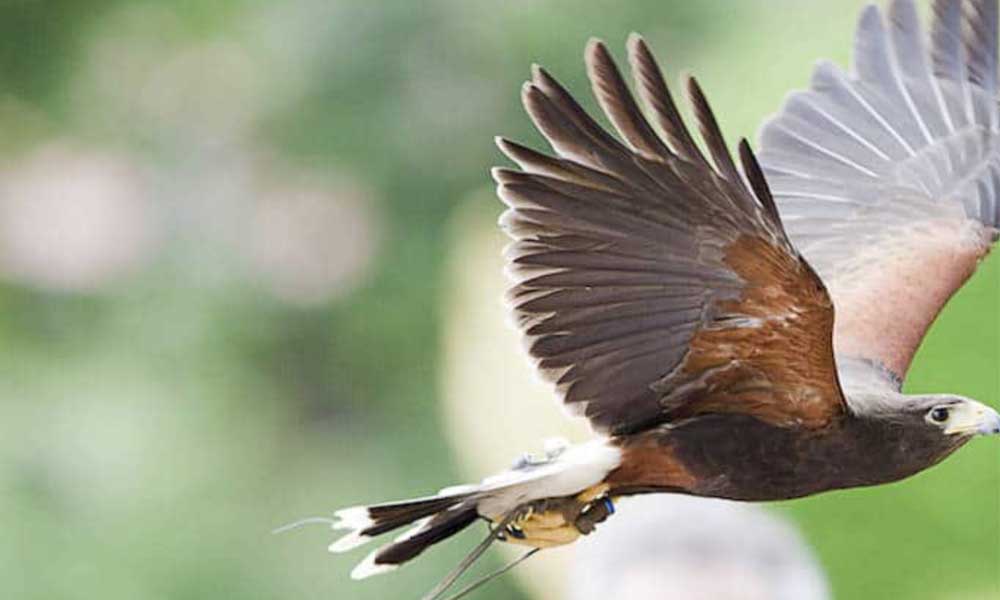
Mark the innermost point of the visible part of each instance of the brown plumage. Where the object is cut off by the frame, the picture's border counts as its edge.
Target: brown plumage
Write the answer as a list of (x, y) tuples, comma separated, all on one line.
[(671, 290), (679, 300)]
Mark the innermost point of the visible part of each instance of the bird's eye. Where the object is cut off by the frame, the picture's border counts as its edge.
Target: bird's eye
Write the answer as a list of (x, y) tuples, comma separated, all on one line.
[(939, 415)]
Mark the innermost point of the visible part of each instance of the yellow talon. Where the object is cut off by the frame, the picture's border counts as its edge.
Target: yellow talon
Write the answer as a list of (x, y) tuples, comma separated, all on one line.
[(557, 525), (546, 520), (593, 493), (547, 538)]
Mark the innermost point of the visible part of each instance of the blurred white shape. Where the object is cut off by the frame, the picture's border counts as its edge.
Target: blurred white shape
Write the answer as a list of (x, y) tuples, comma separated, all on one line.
[(311, 241), (73, 219), (665, 547)]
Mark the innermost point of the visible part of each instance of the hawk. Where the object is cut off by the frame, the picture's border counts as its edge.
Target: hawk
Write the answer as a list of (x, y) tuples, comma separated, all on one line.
[(737, 329)]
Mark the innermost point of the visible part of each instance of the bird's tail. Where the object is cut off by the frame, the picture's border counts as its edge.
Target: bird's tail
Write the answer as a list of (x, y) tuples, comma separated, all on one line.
[(435, 518), (555, 485)]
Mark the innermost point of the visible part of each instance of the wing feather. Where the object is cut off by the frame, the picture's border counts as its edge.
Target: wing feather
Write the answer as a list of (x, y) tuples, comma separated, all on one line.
[(654, 93), (885, 177), (915, 75), (617, 102), (646, 279)]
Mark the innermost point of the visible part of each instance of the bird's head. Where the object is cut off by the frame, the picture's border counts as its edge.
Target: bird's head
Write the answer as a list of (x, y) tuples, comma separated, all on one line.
[(913, 432), (952, 415)]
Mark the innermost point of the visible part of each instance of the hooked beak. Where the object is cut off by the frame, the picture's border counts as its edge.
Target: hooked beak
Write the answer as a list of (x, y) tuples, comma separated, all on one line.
[(990, 424), (974, 419)]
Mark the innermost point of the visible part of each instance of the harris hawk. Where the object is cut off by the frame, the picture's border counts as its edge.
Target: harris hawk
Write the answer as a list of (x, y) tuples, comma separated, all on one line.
[(736, 329)]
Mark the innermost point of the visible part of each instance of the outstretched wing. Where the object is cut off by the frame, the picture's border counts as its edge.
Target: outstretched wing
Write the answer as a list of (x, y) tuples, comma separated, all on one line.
[(651, 285), (888, 178)]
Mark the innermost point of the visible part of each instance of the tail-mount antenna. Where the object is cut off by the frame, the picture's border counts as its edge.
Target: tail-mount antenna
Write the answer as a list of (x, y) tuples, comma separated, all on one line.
[(470, 559), (301, 522), (488, 578)]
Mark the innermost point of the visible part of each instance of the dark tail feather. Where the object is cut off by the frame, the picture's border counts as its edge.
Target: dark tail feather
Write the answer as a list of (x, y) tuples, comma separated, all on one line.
[(438, 528), (443, 515), (393, 515)]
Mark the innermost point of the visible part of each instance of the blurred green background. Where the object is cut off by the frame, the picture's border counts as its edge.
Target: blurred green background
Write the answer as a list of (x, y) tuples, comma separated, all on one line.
[(223, 235)]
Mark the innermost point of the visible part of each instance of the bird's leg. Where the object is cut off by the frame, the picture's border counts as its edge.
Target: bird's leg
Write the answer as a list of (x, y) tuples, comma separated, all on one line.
[(558, 521)]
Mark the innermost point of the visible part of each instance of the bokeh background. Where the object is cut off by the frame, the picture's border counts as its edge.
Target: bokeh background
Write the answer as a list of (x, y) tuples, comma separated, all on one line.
[(249, 273)]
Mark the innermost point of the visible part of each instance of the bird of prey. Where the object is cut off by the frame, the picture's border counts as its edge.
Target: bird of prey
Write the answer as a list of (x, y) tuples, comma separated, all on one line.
[(737, 330)]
